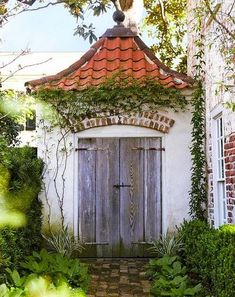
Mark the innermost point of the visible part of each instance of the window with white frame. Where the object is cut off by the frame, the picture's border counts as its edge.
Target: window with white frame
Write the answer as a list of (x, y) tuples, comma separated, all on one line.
[(219, 171)]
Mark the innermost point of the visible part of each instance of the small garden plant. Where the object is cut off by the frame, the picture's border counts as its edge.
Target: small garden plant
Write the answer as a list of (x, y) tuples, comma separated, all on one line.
[(169, 244), (64, 242), (168, 274), (58, 268), (170, 278)]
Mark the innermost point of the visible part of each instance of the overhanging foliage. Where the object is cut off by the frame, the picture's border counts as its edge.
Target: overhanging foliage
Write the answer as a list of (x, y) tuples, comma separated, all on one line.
[(117, 95)]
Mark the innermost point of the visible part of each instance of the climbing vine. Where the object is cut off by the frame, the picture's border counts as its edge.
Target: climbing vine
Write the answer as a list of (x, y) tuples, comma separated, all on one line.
[(198, 193), (66, 110), (117, 95)]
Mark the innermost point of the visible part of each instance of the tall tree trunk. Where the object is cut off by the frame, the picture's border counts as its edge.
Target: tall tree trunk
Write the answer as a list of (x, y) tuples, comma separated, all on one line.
[(126, 4)]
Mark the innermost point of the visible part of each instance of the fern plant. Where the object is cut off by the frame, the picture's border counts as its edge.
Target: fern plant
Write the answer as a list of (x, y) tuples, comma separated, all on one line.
[(169, 245), (64, 242)]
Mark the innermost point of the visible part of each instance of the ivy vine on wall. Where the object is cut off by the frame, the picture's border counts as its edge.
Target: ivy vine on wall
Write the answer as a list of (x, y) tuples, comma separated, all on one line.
[(198, 193), (117, 95)]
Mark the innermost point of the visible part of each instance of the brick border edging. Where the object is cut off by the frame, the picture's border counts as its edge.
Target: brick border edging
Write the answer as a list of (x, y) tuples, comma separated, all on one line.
[(145, 119)]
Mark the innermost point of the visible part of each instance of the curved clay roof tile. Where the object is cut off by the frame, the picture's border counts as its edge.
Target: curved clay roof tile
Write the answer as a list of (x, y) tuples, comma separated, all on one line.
[(119, 49)]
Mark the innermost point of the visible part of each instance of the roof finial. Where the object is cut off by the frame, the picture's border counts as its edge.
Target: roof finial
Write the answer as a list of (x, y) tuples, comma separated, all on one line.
[(118, 17)]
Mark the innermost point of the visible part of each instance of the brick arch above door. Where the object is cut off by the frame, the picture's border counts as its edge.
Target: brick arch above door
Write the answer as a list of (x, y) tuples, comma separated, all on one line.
[(145, 119)]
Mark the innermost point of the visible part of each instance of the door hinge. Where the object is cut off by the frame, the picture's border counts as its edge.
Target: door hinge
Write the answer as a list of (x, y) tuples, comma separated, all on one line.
[(96, 243), (91, 149), (142, 242), (148, 149)]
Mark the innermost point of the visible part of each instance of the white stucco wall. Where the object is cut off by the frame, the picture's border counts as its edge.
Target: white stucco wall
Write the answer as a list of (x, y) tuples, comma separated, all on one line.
[(176, 164)]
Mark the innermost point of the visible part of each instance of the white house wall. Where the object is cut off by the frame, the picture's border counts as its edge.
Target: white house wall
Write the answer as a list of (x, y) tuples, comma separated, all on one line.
[(17, 68), (176, 164)]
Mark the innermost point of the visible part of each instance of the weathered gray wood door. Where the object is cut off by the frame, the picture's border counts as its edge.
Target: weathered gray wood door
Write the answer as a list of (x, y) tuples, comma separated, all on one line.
[(119, 194)]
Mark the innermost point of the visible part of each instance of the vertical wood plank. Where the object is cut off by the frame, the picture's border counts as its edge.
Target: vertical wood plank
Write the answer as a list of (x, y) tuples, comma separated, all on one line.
[(106, 176), (131, 198), (152, 197), (114, 177), (87, 194)]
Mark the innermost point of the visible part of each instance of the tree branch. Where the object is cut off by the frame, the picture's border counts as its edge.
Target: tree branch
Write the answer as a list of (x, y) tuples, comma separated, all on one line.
[(231, 9), (23, 67), (23, 52), (213, 15), (45, 6), (15, 10)]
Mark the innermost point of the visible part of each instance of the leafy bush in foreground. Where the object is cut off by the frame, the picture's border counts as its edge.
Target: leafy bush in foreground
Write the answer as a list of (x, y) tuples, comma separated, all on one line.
[(209, 255), (170, 278), (46, 274), (58, 268), (20, 183), (40, 287)]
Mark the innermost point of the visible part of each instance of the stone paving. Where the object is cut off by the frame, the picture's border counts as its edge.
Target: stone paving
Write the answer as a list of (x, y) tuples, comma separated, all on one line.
[(118, 278)]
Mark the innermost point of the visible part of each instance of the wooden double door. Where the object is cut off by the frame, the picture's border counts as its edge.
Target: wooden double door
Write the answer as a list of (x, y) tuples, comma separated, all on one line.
[(119, 194)]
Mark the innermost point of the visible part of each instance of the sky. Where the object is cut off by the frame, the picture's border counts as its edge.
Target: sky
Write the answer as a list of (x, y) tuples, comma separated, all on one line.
[(50, 30)]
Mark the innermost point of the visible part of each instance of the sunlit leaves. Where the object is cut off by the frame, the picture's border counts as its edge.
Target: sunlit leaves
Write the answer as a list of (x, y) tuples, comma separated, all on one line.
[(167, 23), (41, 287), (14, 107), (86, 32), (11, 218)]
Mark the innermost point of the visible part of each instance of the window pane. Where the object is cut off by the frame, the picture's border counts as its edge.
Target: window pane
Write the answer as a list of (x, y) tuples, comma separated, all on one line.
[(225, 217), (218, 149), (221, 147), (222, 168), (218, 128), (31, 122), (221, 127), (219, 169), (222, 202)]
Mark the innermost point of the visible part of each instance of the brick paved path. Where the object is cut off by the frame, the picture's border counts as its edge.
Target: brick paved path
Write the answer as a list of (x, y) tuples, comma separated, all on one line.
[(118, 278)]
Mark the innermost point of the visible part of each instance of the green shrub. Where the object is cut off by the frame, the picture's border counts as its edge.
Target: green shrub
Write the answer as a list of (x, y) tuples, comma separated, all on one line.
[(58, 268), (196, 235), (223, 275), (170, 278), (209, 255), (16, 244), (22, 180), (20, 188)]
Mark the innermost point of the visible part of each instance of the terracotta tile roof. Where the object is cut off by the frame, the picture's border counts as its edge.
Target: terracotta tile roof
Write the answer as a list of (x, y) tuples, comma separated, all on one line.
[(117, 50)]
